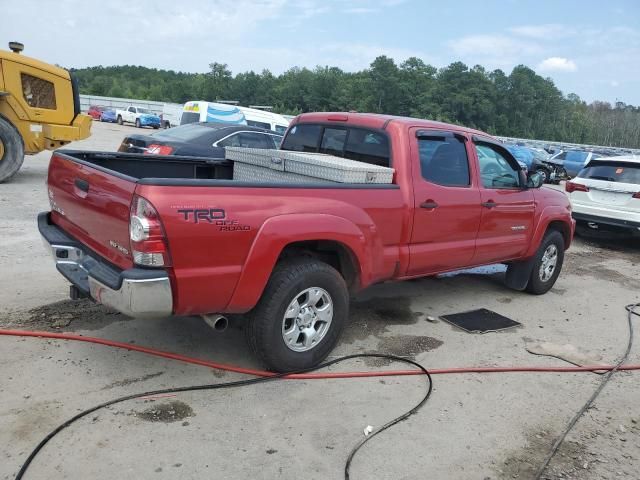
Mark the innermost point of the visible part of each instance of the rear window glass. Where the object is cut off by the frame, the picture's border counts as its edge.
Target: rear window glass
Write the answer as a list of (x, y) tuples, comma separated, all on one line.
[(367, 146), (37, 92), (281, 129), (444, 161), (358, 144), (303, 138), (620, 172), (189, 117), (187, 133), (576, 156)]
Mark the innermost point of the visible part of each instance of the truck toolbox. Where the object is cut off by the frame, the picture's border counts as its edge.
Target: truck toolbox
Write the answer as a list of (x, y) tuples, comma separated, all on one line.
[(253, 164)]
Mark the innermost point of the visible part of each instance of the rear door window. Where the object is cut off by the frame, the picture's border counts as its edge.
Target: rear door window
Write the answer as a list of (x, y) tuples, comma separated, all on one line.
[(619, 172), (443, 161), (255, 140)]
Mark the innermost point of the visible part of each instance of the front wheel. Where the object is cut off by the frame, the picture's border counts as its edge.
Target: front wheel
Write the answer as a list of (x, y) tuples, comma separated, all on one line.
[(300, 316), (547, 264), (545, 174), (11, 150)]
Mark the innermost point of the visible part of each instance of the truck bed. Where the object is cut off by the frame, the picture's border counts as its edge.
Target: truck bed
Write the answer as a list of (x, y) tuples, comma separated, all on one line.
[(134, 166)]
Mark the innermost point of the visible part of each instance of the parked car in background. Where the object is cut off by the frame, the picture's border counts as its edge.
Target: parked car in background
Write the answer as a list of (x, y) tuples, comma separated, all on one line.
[(171, 115), (530, 159), (95, 111), (200, 140), (606, 194), (139, 116), (566, 164), (108, 115)]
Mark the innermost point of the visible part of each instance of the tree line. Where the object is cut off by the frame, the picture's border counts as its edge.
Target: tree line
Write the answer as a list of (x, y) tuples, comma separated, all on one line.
[(521, 104)]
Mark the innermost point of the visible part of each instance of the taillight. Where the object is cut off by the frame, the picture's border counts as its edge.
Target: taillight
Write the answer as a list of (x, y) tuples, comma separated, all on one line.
[(636, 195), (575, 187), (155, 149), (148, 240)]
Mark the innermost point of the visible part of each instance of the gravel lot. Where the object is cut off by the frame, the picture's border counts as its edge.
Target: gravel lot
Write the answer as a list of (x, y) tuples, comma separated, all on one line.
[(475, 426)]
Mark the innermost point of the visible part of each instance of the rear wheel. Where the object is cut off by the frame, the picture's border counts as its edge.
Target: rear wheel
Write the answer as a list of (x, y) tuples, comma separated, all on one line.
[(11, 150), (119, 120), (548, 263), (300, 316), (138, 125)]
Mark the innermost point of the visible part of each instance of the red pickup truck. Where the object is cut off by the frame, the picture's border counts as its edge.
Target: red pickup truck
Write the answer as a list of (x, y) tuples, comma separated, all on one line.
[(154, 236)]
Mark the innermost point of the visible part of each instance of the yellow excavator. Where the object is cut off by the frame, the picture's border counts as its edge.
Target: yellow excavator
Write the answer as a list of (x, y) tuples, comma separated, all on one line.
[(39, 109)]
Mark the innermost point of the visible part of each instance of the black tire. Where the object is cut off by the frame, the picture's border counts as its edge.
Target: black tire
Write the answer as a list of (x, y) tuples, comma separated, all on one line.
[(155, 127), (265, 322), (119, 120), (537, 285), (546, 174), (166, 125), (11, 150), (138, 125)]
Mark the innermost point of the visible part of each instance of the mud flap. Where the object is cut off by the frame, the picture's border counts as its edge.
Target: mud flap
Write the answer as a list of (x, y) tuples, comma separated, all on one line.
[(518, 274)]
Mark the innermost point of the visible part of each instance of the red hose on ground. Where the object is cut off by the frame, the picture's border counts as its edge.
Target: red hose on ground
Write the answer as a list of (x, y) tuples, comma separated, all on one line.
[(302, 376)]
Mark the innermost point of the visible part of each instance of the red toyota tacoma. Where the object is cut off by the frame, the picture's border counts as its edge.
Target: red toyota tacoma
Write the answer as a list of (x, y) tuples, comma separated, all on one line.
[(155, 236)]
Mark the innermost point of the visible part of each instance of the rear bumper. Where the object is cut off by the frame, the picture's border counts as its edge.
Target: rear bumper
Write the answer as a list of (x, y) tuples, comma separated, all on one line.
[(613, 222), (135, 292)]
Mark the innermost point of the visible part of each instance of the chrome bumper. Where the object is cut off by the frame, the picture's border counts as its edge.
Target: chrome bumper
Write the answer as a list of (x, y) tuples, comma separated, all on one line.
[(136, 292)]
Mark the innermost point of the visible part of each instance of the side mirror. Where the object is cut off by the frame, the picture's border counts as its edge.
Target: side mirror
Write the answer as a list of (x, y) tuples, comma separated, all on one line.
[(535, 180)]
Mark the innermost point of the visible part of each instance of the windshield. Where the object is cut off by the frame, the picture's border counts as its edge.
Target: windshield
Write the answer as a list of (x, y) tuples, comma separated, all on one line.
[(619, 172)]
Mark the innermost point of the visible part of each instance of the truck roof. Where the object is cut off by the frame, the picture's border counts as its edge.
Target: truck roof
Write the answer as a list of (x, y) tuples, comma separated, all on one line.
[(378, 120)]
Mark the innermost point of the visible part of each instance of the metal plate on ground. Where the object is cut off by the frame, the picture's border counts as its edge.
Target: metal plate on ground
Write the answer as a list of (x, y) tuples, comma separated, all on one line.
[(480, 321)]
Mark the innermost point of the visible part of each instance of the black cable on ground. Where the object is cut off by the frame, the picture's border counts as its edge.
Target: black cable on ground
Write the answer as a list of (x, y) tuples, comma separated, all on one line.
[(241, 383), (605, 379)]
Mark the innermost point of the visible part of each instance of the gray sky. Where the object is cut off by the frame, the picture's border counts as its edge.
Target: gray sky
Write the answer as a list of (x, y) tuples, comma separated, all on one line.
[(588, 47)]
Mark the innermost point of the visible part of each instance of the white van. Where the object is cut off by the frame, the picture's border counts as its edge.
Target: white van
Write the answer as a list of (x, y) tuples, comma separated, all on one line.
[(199, 111), (171, 115), (263, 119)]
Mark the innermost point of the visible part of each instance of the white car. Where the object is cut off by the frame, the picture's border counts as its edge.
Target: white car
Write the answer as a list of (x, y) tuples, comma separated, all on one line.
[(606, 193)]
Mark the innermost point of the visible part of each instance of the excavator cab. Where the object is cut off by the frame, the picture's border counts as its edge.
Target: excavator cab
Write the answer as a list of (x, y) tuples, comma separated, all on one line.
[(39, 109)]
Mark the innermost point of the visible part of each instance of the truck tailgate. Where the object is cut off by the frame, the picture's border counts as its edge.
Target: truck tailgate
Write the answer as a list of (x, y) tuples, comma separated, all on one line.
[(93, 206)]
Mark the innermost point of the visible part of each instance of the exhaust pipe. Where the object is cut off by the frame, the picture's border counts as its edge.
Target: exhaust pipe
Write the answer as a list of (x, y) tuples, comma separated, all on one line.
[(216, 321)]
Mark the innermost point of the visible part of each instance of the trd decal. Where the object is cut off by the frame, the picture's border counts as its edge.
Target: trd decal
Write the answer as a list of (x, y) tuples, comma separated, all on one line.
[(198, 215), (216, 216)]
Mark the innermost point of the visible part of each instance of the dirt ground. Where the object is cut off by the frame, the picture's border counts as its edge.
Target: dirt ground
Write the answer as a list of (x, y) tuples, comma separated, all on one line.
[(475, 426)]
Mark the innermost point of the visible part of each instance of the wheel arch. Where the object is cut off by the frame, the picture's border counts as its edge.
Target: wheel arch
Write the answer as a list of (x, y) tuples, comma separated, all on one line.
[(334, 240)]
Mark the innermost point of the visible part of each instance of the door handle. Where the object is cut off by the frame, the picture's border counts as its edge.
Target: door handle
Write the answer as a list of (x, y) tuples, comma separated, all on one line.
[(429, 205), (81, 184), (489, 204)]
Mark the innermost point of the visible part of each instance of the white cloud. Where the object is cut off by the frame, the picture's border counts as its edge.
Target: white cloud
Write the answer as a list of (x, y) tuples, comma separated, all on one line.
[(557, 64), (548, 31), (493, 46), (615, 83)]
